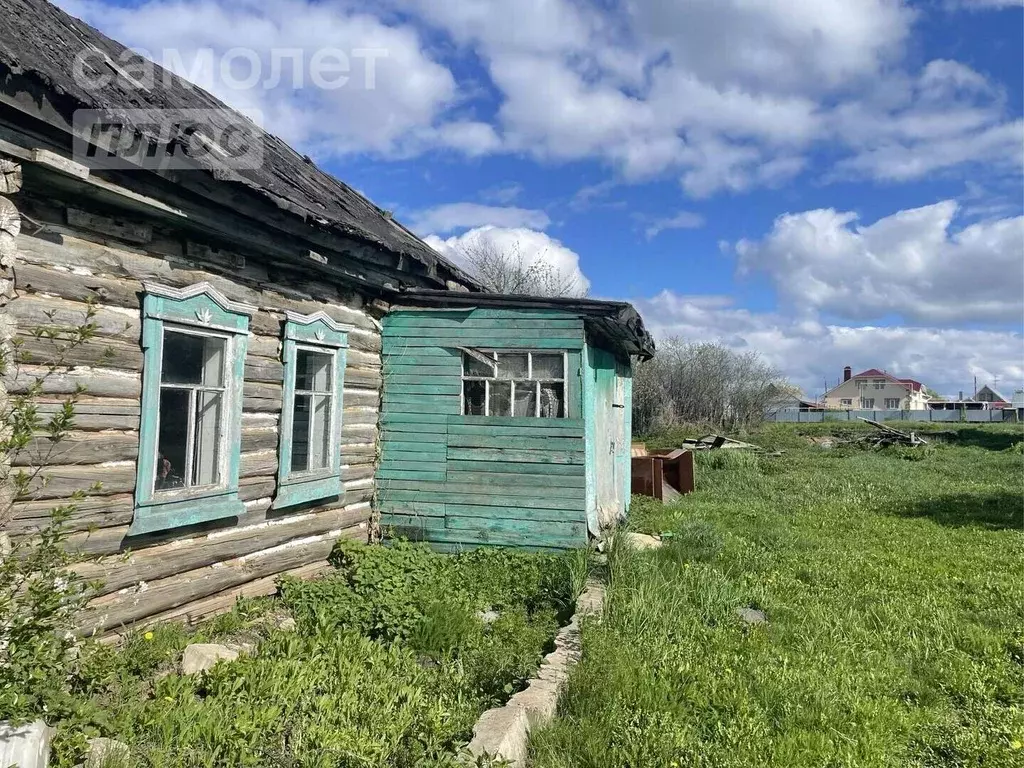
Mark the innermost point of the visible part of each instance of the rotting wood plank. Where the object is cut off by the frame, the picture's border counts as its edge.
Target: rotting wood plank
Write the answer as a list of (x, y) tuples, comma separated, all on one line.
[(34, 311), (94, 382), (79, 448), (99, 351), (159, 562), (222, 602), (117, 611), (28, 517), (61, 482)]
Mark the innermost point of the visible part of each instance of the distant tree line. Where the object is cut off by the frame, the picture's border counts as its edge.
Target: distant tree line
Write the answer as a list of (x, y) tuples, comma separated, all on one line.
[(703, 383)]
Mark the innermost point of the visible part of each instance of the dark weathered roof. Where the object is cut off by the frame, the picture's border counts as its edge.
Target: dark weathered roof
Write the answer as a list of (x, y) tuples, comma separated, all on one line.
[(40, 41), (617, 323)]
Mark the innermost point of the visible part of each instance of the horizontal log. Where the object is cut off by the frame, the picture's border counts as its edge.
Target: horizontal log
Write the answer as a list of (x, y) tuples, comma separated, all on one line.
[(222, 602), (32, 311), (259, 439), (356, 472), (362, 377), (95, 382), (122, 292), (364, 341), (29, 517), (79, 448), (357, 358), (263, 370), (252, 488), (89, 417), (261, 405), (255, 389), (258, 463), (361, 398), (161, 562), (61, 482), (362, 416), (100, 351), (117, 611), (69, 251)]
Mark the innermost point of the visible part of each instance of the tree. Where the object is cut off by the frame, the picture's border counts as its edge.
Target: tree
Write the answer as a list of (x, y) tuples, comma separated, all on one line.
[(509, 271), (703, 383)]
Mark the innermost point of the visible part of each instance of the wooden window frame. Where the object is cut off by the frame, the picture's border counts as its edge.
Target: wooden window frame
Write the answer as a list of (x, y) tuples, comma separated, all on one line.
[(321, 334), (564, 381), (199, 310)]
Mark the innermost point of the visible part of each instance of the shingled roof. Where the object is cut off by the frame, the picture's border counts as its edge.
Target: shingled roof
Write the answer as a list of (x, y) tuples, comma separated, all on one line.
[(40, 42)]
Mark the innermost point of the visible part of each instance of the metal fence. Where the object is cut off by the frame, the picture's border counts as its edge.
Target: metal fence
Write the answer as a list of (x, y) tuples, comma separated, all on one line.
[(794, 415)]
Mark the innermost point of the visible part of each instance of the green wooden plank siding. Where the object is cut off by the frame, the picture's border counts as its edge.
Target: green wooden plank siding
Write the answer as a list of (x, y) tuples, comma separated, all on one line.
[(461, 482)]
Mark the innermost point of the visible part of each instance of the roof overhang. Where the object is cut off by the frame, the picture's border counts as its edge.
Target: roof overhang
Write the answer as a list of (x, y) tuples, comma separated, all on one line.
[(615, 323)]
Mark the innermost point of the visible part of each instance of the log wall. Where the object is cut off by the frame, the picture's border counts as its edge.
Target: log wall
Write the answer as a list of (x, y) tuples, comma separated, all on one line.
[(68, 258)]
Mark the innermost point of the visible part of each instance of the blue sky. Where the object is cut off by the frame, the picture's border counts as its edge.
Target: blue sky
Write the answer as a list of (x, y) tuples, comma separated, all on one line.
[(825, 182)]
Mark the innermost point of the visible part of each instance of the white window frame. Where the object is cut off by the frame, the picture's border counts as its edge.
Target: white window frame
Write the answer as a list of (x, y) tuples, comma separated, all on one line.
[(494, 353), (847, 401), (864, 403), (333, 397), (890, 400), (223, 423)]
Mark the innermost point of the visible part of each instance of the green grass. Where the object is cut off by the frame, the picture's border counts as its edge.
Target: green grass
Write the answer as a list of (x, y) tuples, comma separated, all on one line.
[(390, 665), (892, 581)]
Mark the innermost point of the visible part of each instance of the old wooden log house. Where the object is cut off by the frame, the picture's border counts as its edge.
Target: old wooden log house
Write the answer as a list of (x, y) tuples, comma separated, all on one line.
[(276, 362)]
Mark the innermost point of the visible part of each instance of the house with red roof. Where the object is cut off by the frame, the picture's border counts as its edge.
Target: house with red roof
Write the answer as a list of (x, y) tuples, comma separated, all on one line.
[(876, 390)]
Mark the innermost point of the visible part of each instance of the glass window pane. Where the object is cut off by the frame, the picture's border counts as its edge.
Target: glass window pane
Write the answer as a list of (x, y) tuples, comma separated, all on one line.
[(552, 401), (501, 398), (213, 361), (526, 398), (512, 366), (313, 371), (301, 427), (182, 358), (206, 441), (473, 367), (548, 366), (320, 441), (473, 394), (172, 440)]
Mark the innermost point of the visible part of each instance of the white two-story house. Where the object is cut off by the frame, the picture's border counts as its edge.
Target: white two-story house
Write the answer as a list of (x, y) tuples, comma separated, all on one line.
[(876, 390)]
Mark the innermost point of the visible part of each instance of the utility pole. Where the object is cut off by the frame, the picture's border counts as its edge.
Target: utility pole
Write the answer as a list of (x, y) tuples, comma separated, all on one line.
[(975, 388)]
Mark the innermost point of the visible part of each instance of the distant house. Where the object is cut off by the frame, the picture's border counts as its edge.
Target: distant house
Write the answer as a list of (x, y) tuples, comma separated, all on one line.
[(876, 390), (988, 395)]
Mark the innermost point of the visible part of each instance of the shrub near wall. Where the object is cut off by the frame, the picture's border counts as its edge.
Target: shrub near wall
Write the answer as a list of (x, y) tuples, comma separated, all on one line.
[(395, 655)]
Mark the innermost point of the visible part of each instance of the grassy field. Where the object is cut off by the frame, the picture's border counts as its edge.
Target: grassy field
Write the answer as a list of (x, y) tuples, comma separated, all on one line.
[(893, 583)]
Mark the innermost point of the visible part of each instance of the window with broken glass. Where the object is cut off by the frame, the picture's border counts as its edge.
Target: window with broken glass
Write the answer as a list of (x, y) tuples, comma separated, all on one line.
[(516, 384)]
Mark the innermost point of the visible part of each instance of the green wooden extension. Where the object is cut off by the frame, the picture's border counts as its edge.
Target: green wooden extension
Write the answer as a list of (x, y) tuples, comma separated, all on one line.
[(461, 481)]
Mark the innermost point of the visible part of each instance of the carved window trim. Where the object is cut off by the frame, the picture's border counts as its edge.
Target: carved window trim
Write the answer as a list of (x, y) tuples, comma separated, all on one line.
[(201, 310), (321, 334)]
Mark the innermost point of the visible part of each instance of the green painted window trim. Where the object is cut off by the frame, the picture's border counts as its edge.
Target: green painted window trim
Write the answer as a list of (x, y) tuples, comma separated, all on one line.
[(199, 307), (322, 333)]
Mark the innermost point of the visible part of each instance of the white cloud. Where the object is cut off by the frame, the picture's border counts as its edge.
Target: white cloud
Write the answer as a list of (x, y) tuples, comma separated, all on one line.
[(912, 264), (682, 220), (516, 242), (809, 351), (400, 111), (455, 216), (725, 95)]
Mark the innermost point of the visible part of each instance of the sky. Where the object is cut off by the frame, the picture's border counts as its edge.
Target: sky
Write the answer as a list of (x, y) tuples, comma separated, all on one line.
[(826, 182)]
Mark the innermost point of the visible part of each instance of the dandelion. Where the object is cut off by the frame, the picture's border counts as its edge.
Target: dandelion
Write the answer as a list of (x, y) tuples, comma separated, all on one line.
[(148, 636), (1015, 744)]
